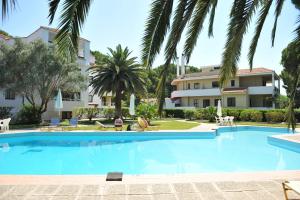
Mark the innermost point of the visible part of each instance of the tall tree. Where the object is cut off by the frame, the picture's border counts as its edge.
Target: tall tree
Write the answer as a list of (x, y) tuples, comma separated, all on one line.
[(117, 73), (36, 71), (290, 75)]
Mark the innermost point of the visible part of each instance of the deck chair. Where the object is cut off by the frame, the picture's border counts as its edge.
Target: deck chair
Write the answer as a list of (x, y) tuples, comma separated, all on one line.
[(54, 122), (74, 122), (104, 126), (4, 124), (291, 185)]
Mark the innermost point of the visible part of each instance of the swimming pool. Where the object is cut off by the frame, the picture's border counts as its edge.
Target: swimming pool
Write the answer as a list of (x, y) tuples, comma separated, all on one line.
[(229, 150)]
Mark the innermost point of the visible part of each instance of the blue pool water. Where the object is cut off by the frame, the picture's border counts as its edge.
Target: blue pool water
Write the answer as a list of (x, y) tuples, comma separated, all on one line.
[(232, 150)]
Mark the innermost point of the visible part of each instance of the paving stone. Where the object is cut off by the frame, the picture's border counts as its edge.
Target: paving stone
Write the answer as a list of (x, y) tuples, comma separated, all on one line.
[(12, 197), (161, 189), (114, 197), (46, 190), (22, 189), (188, 196), (94, 197), (236, 196), (164, 197), (5, 188), (183, 187), (260, 195), (68, 190), (205, 187), (237, 186), (139, 189), (64, 197), (270, 185), (212, 196), (277, 195), (90, 190), (114, 189), (139, 197), (38, 197)]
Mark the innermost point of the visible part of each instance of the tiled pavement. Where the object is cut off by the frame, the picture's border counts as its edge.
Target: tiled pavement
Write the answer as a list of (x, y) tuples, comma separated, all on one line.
[(260, 190)]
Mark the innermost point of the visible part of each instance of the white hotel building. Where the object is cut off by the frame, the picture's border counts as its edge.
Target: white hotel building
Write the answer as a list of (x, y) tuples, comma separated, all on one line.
[(70, 100)]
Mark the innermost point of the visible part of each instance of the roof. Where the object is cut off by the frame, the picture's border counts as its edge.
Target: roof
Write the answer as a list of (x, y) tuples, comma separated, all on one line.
[(215, 74)]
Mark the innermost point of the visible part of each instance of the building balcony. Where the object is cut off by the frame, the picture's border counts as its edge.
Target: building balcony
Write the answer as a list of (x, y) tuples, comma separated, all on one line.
[(260, 90), (196, 93)]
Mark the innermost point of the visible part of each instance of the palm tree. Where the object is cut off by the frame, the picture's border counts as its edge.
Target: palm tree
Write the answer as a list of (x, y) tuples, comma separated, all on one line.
[(190, 15), (117, 73)]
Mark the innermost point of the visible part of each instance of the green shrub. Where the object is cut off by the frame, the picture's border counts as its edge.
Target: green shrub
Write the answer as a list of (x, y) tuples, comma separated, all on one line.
[(109, 113), (5, 112), (256, 116), (125, 112), (274, 116), (200, 113), (232, 112), (29, 115), (245, 115), (189, 114), (147, 111), (210, 113), (177, 113), (88, 112), (297, 115)]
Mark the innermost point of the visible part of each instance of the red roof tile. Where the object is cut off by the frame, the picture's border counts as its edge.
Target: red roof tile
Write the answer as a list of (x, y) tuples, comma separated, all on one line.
[(254, 71)]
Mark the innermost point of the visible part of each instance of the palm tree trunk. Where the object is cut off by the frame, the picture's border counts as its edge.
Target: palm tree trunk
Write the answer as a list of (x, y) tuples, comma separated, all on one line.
[(118, 104)]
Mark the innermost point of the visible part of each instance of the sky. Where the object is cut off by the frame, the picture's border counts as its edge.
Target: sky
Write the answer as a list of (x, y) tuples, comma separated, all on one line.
[(114, 22)]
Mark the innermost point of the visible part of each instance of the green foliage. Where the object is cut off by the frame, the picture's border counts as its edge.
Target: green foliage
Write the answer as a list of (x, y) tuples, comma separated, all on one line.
[(125, 112), (256, 116), (29, 115), (148, 111), (190, 114), (88, 112), (232, 112), (99, 57), (5, 112), (282, 101), (36, 69), (200, 114), (174, 113), (210, 113), (118, 73), (4, 33), (245, 115), (109, 113), (274, 116)]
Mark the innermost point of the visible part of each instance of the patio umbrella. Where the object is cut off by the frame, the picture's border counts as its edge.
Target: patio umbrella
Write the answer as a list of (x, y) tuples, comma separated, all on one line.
[(219, 110), (58, 102), (131, 106)]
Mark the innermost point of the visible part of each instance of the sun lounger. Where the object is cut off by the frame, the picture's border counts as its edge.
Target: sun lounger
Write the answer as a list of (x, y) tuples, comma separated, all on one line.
[(54, 122), (291, 185), (74, 122), (231, 122), (104, 126)]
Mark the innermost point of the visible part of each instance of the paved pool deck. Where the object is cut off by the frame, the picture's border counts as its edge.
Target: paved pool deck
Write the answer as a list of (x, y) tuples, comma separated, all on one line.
[(187, 190)]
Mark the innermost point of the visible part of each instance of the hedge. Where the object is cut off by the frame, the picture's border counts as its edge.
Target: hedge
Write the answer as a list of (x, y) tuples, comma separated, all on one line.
[(273, 116)]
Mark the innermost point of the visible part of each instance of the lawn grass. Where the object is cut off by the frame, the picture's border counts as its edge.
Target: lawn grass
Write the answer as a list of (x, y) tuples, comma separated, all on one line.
[(172, 124)]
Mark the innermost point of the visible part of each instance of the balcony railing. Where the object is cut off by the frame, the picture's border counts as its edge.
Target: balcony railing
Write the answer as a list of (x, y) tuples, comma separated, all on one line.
[(196, 92)]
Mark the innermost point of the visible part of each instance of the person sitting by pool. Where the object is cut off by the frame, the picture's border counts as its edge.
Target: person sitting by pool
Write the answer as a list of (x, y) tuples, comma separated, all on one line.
[(118, 124), (142, 122)]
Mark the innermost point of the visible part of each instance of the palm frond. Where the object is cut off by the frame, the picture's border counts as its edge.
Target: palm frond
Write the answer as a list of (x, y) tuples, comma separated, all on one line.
[(71, 22), (297, 31), (156, 29), (259, 25), (53, 5), (195, 26), (160, 89), (279, 5), (212, 18), (182, 15), (7, 6), (240, 17)]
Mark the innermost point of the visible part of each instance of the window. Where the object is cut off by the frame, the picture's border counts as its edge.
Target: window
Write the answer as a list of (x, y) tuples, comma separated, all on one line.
[(196, 103), (91, 98), (103, 100), (70, 96), (196, 85), (216, 102), (231, 101), (206, 103), (215, 84), (9, 94), (232, 83), (189, 86), (51, 37)]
